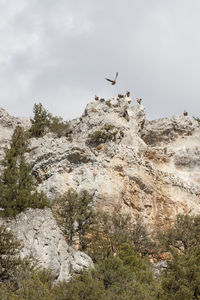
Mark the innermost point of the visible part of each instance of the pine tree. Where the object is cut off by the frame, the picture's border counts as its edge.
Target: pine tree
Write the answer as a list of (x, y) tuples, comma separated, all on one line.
[(43, 122), (181, 276), (66, 214), (75, 215), (85, 218), (17, 190), (40, 121), (58, 126), (9, 254)]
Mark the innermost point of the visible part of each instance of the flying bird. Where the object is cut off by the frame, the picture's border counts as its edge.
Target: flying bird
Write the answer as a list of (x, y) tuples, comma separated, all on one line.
[(113, 81)]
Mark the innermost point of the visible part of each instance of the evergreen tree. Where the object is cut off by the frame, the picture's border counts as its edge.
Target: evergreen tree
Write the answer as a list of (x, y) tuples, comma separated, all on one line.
[(43, 122), (109, 232), (17, 190), (183, 235), (40, 121), (181, 277), (9, 254), (59, 127), (75, 215), (85, 218), (66, 214)]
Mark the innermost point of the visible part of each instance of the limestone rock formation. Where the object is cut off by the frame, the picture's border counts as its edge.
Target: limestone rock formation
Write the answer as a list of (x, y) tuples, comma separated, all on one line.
[(146, 168), (7, 125), (166, 130), (42, 239)]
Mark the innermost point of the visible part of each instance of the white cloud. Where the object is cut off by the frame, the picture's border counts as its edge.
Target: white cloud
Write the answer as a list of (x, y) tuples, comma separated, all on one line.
[(59, 52)]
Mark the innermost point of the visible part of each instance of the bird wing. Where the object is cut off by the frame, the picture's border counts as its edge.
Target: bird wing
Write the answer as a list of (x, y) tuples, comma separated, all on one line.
[(116, 76), (109, 79)]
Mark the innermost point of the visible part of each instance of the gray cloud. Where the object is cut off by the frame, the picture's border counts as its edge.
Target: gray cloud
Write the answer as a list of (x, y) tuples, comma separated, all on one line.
[(59, 52)]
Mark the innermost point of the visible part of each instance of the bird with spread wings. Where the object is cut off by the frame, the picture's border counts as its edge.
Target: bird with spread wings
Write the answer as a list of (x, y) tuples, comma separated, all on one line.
[(113, 82)]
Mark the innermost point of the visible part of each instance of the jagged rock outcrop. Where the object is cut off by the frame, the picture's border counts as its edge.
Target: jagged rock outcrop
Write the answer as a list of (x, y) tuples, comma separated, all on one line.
[(165, 130), (7, 125), (42, 239), (147, 168)]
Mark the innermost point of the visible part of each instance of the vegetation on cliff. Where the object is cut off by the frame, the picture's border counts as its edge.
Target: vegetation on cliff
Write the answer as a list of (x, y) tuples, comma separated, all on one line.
[(75, 215), (123, 271), (129, 263), (9, 251), (105, 134), (44, 122), (17, 186)]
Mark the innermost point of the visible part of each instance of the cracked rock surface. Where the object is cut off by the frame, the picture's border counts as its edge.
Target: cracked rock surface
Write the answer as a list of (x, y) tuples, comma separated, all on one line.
[(150, 168)]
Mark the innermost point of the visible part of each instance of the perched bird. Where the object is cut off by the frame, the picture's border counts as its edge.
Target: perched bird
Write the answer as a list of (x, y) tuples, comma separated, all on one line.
[(128, 94), (96, 98), (125, 113), (121, 133), (113, 81), (102, 99), (126, 116), (185, 113), (139, 100)]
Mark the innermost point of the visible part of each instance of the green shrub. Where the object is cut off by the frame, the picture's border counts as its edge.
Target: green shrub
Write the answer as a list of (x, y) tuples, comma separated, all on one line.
[(109, 232), (182, 236), (82, 287), (59, 127), (181, 277), (9, 254), (123, 277), (75, 214), (40, 121), (30, 285), (44, 122), (124, 274), (105, 134)]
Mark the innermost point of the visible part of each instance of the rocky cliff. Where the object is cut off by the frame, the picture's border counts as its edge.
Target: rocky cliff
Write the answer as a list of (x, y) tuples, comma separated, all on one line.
[(146, 168), (149, 168), (42, 239)]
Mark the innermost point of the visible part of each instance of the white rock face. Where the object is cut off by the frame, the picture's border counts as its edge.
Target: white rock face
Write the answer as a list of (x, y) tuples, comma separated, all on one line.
[(151, 169), (42, 239), (166, 130)]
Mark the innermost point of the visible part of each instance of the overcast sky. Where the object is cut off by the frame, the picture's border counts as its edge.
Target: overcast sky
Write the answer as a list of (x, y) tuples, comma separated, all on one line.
[(58, 52)]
